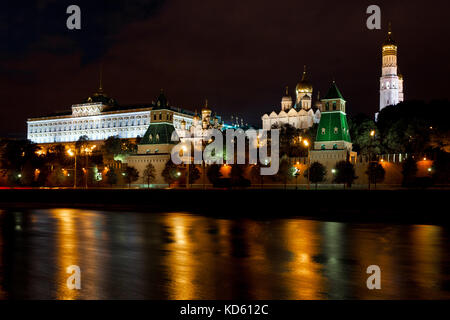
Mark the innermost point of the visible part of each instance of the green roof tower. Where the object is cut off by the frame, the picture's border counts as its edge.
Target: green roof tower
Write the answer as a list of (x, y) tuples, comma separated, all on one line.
[(333, 132)]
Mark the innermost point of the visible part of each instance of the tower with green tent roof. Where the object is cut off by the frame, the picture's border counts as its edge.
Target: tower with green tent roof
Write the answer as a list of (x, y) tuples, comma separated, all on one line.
[(333, 132)]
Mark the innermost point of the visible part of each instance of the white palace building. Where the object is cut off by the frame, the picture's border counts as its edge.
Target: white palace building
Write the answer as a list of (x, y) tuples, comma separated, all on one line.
[(99, 117)]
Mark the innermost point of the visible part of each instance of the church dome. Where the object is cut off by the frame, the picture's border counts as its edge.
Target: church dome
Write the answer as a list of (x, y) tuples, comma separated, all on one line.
[(389, 41), (205, 109), (286, 98), (101, 97), (304, 85)]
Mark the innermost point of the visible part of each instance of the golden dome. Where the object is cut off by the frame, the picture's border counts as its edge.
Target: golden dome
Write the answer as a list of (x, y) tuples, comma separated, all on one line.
[(304, 85), (389, 41), (205, 108)]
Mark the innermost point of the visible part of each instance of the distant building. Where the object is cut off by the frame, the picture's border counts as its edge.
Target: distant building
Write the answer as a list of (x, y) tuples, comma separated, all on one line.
[(302, 115), (391, 81), (161, 136), (100, 117)]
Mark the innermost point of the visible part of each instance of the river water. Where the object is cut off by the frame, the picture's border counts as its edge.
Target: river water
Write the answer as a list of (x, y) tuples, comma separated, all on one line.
[(127, 255)]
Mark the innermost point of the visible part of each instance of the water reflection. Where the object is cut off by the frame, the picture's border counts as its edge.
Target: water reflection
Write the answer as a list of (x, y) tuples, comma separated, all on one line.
[(125, 255)]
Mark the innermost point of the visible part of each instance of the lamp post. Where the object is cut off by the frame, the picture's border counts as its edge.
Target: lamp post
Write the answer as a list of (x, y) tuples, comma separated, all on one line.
[(87, 152), (307, 145), (372, 137), (74, 154)]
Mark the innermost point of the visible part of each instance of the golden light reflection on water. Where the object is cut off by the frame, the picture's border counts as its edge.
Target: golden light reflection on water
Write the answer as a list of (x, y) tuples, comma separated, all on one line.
[(427, 256), (67, 250), (181, 262), (185, 256), (77, 243), (304, 280)]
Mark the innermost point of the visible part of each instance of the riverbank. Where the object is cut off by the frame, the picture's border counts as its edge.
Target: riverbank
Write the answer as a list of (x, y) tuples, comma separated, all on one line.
[(400, 206)]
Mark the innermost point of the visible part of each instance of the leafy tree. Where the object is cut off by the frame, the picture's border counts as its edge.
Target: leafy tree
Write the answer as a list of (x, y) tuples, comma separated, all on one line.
[(290, 145), (213, 173), (441, 168), (344, 173), (375, 173), (56, 177), (412, 128), (364, 142), (194, 174), (114, 146), (131, 175), (409, 171), (170, 172), (317, 173), (111, 147), (111, 177), (284, 171), (81, 143), (14, 155), (149, 174), (255, 173)]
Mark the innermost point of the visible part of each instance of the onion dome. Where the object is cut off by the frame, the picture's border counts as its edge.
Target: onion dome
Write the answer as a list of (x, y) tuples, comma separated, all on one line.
[(100, 97), (161, 101), (286, 97), (389, 41), (304, 85), (205, 109), (196, 117), (206, 112), (389, 46)]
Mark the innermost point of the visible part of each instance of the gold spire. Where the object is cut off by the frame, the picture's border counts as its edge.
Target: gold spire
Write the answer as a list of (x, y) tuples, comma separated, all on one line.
[(390, 28), (287, 90)]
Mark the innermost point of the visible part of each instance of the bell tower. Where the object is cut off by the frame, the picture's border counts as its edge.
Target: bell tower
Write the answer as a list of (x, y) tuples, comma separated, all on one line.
[(391, 84)]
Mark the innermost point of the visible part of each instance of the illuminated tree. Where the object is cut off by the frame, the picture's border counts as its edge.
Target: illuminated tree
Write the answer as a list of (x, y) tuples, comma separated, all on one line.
[(171, 172), (375, 173), (194, 174), (111, 177), (131, 175), (344, 173), (317, 173), (409, 171), (213, 173), (149, 174)]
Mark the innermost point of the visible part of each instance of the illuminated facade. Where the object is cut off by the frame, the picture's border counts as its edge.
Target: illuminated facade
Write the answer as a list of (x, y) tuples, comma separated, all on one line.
[(161, 136), (301, 115), (333, 142), (99, 117), (391, 81)]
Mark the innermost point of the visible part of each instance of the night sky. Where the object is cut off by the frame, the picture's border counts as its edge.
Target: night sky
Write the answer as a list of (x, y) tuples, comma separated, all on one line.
[(238, 54)]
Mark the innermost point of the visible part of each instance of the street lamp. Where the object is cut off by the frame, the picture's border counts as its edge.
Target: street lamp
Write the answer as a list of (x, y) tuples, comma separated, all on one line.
[(74, 154), (307, 144)]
